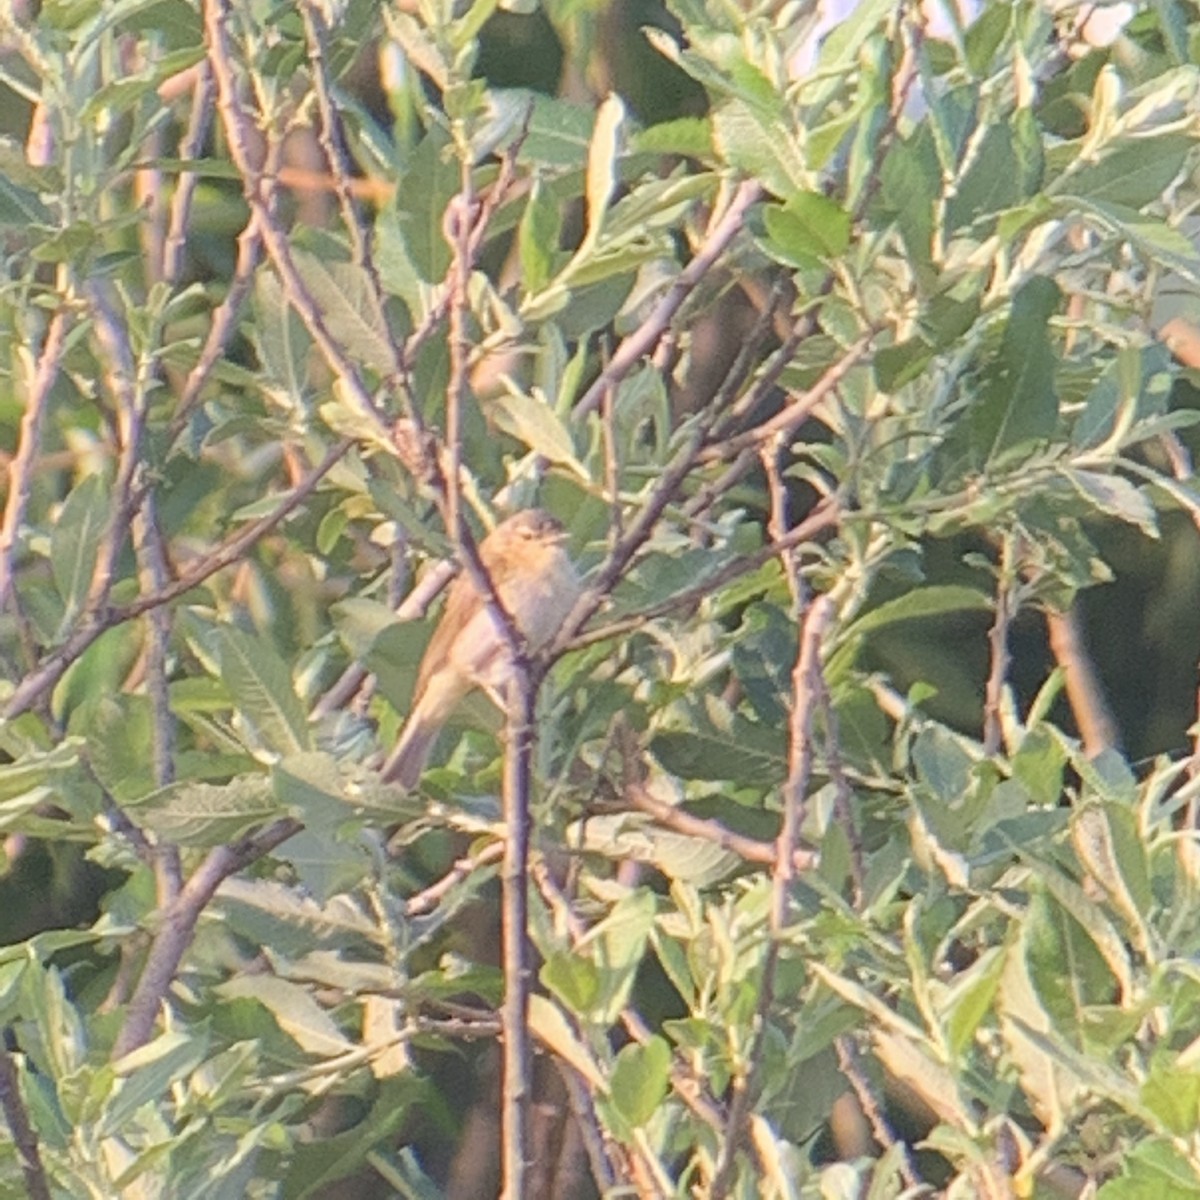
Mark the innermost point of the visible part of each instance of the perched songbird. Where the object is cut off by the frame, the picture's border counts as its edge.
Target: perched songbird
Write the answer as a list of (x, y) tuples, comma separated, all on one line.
[(537, 584)]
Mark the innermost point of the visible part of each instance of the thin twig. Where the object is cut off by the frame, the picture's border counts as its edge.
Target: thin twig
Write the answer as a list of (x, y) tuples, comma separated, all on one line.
[(1085, 693), (514, 880), (671, 816), (152, 562), (685, 1085), (805, 690), (333, 143), (998, 642), (847, 1055), (793, 415), (257, 191), (129, 384), (222, 325), (190, 146), (824, 516), (429, 898), (20, 471), (412, 608), (842, 794), (642, 340), (178, 925), (37, 1186), (48, 672), (591, 1132)]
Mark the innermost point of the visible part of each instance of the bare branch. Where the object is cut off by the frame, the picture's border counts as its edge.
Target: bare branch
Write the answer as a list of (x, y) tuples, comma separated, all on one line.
[(998, 641), (222, 325), (847, 1055), (192, 143), (178, 925), (824, 516), (1085, 693), (793, 415), (20, 471), (806, 679), (671, 816), (724, 228), (152, 560), (37, 1186), (39, 681), (257, 192)]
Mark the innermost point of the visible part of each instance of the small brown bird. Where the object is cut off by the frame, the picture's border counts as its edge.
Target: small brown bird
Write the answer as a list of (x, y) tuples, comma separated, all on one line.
[(538, 586)]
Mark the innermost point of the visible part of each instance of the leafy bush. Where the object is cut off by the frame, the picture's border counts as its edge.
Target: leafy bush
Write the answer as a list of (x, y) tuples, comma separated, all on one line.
[(859, 347)]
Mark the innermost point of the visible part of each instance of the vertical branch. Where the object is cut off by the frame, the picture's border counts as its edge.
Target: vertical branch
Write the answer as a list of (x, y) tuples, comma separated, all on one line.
[(333, 143), (612, 467), (24, 1139), (127, 385), (806, 686), (152, 563), (190, 147), (458, 234), (998, 641), (222, 326), (20, 471), (514, 881), (1085, 694), (238, 131), (885, 1135)]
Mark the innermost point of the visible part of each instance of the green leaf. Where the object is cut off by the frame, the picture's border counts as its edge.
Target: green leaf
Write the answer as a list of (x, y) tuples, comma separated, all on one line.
[(147, 1073), (1005, 169), (728, 747), (559, 132), (1019, 404), (533, 422), (431, 179), (1159, 242), (541, 224), (261, 688), (902, 363), (1115, 497), (639, 1080), (204, 814), (313, 1166), (759, 147), (75, 542), (687, 137), (1065, 926), (970, 998), (808, 229), (348, 308), (1173, 1094), (908, 189), (1153, 1169), (1132, 174), (1134, 385), (631, 838), (573, 979), (920, 604), (602, 165), (19, 207), (840, 49), (1108, 843), (297, 1013), (282, 342)]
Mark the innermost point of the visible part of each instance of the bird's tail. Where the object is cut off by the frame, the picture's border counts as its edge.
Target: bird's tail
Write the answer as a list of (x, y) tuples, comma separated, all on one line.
[(411, 752)]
